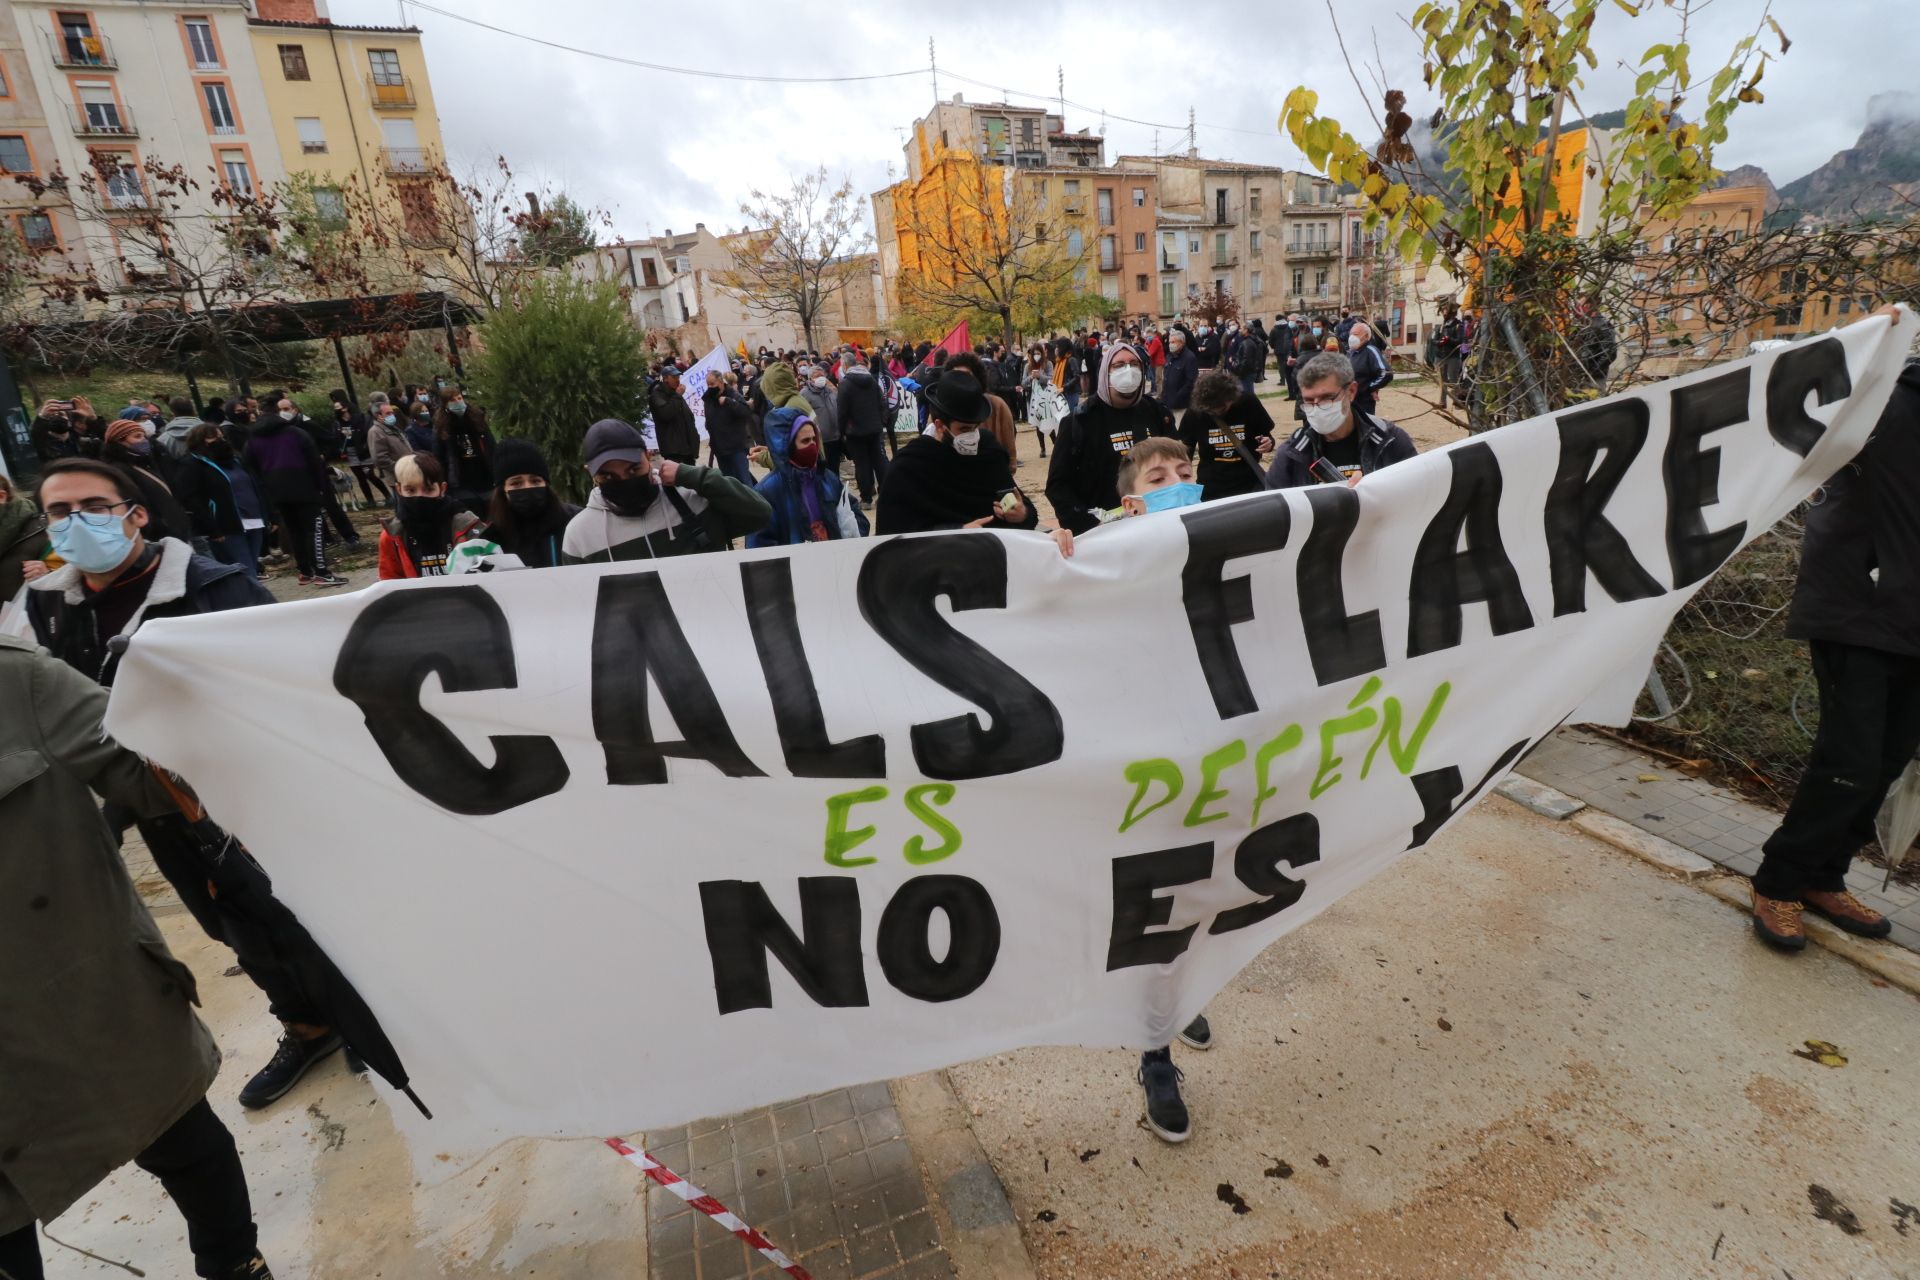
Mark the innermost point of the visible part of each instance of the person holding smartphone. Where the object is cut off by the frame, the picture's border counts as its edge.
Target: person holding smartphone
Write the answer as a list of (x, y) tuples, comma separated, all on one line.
[(956, 476), (1337, 434)]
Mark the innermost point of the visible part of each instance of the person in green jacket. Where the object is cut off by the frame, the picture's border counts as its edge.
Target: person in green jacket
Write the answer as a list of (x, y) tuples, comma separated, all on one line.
[(642, 508), (781, 386)]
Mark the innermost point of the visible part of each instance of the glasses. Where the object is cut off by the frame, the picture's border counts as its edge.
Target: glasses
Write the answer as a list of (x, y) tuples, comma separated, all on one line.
[(97, 512), (1316, 401)]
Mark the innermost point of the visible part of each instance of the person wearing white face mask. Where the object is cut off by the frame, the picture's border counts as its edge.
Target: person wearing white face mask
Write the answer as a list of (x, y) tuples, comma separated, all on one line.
[(1082, 477), (824, 409), (1338, 433), (956, 476), (1370, 371)]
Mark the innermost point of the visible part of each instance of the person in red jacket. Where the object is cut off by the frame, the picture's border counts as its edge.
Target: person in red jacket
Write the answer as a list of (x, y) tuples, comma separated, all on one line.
[(427, 524), (1156, 361)]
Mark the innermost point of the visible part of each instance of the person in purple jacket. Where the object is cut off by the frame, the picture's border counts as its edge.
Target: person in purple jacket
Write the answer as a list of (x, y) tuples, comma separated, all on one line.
[(296, 482)]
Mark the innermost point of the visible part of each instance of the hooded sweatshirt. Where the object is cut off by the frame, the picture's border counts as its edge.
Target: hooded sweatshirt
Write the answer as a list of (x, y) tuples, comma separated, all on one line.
[(1085, 470), (810, 504), (782, 389), (712, 509), (821, 409), (173, 437), (286, 460)]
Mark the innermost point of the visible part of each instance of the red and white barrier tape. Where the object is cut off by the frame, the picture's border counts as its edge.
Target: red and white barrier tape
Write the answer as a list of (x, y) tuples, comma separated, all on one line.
[(706, 1204)]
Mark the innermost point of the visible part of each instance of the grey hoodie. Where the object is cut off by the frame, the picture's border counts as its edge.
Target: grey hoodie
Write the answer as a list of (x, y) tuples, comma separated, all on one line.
[(173, 436), (825, 415)]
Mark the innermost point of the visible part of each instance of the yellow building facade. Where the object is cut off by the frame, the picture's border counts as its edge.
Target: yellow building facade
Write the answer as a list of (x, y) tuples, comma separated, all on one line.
[(351, 106)]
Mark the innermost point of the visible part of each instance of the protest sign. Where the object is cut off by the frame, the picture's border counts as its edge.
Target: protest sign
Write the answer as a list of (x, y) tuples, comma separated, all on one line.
[(616, 846), (693, 384)]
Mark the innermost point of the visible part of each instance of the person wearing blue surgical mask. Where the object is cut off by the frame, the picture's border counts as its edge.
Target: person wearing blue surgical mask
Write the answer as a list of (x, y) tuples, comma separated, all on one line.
[(1157, 475)]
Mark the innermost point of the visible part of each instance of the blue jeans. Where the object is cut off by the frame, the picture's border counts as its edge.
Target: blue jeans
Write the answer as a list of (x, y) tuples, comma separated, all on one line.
[(735, 465), (241, 548)]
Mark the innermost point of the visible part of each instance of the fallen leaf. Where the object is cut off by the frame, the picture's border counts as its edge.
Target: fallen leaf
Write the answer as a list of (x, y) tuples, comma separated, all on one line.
[(1827, 1208), (1820, 1051), (1088, 1155), (1649, 777), (1280, 1169), (1323, 1162), (1510, 1221), (1445, 1025), (1229, 1196)]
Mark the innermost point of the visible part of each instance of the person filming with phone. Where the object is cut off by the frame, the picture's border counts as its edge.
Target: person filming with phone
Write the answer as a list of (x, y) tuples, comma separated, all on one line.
[(1340, 443)]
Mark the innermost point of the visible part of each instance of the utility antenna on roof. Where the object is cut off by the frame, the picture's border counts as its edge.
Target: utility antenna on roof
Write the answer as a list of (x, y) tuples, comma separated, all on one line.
[(1156, 142), (1103, 122), (933, 65), (1193, 147), (1060, 82)]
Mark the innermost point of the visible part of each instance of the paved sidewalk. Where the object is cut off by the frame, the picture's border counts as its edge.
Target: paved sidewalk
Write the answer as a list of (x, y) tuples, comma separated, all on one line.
[(829, 1179), (1712, 822)]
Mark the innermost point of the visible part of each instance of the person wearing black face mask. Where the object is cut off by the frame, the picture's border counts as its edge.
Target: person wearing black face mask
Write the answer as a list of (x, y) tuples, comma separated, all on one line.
[(526, 517), (220, 499), (641, 509), (428, 524)]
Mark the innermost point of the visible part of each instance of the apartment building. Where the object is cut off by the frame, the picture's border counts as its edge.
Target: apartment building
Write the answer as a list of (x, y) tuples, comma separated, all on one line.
[(46, 230), (123, 81), (1000, 133), (1217, 227), (1312, 221), (350, 105)]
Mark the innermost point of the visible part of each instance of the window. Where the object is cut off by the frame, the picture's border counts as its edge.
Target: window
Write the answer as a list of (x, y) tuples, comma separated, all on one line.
[(124, 188), (313, 135), (1666, 244), (1166, 297), (1220, 204), (1109, 254), (100, 108), (330, 205), (200, 43), (418, 212), (80, 45), (1073, 186), (1320, 282), (1253, 284), (650, 272), (1299, 280), (36, 229), (1103, 200), (1139, 242), (239, 176), (1846, 306), (6, 91), (1026, 133), (1220, 285), (293, 61), (386, 67), (1193, 244), (14, 156), (219, 109), (1253, 243), (1139, 284), (1253, 202), (1220, 253), (1139, 197), (1076, 244)]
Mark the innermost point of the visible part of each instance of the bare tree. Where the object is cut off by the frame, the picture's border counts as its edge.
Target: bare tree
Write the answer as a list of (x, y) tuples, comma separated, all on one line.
[(798, 254), (978, 238)]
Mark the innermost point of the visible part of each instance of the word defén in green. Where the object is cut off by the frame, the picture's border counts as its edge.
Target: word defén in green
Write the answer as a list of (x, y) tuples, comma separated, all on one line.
[(1386, 721)]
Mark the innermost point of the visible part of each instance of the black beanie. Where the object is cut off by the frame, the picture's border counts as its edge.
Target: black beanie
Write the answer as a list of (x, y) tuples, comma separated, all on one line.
[(519, 458)]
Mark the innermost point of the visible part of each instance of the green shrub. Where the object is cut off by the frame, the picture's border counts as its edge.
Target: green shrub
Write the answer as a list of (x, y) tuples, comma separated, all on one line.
[(563, 356)]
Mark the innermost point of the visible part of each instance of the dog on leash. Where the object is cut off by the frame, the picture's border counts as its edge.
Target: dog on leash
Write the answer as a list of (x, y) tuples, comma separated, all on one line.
[(343, 488)]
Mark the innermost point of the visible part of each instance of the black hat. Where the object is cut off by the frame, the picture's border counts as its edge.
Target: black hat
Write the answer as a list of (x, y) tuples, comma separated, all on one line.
[(955, 396), (519, 458), (610, 440)]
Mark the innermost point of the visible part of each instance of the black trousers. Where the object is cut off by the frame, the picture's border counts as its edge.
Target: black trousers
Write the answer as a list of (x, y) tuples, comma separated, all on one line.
[(300, 526), (1869, 730), (337, 514), (237, 878), (869, 463), (197, 1163)]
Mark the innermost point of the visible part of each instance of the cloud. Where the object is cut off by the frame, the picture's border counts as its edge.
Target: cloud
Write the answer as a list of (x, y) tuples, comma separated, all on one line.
[(660, 150)]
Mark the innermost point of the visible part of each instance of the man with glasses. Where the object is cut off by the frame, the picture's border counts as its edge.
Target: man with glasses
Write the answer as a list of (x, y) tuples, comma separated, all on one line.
[(113, 582), (1353, 442)]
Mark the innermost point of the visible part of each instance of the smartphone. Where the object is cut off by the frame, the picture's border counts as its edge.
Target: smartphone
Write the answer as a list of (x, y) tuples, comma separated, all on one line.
[(1326, 472), (1006, 500)]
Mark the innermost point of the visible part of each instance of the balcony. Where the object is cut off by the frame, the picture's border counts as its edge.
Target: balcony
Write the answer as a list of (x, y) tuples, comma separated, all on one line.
[(405, 160), (81, 53), (102, 120), (1109, 264), (1221, 218), (390, 93), (1313, 251), (1226, 259)]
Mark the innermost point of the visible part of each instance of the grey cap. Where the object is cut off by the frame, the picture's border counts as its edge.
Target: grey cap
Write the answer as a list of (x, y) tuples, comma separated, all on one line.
[(611, 440)]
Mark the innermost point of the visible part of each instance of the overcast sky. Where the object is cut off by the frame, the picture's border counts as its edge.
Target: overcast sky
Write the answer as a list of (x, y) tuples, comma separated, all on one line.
[(660, 151)]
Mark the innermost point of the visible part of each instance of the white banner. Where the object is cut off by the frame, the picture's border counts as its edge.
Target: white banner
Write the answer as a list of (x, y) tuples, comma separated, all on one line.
[(693, 384), (612, 847)]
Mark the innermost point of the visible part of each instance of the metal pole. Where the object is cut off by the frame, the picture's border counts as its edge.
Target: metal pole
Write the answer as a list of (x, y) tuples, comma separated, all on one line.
[(1530, 381), (346, 374)]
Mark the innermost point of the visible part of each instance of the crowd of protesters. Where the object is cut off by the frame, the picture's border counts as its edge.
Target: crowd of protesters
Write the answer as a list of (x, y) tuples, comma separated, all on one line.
[(158, 512)]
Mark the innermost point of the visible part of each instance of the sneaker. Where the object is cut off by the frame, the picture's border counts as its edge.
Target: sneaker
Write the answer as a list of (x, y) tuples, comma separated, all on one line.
[(1197, 1034), (306, 579), (254, 1268), (262, 577), (1160, 1081), (1849, 913), (328, 580), (1777, 921), (293, 1059)]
